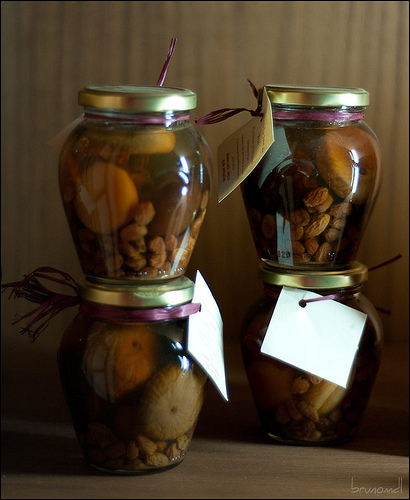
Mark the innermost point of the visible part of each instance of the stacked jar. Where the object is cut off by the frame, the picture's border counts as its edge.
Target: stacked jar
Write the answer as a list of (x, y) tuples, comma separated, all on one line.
[(308, 201), (134, 178)]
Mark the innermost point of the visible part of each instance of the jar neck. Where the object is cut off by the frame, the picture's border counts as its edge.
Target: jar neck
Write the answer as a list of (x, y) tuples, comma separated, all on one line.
[(324, 114), (338, 294), (115, 314), (166, 118)]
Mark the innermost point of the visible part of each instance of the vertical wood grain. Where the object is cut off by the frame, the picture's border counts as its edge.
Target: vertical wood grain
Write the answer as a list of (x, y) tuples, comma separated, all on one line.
[(52, 49)]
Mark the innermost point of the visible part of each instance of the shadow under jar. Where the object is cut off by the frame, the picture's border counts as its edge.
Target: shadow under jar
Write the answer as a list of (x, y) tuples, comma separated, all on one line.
[(132, 389), (309, 198), (134, 179), (297, 407)]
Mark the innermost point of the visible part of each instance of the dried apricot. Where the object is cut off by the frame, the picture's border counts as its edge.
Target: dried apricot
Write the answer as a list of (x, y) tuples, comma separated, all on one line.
[(106, 197)]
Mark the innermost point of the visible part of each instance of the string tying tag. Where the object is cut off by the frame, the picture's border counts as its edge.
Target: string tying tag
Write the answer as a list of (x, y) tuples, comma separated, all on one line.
[(335, 296), (51, 303), (340, 296), (225, 113)]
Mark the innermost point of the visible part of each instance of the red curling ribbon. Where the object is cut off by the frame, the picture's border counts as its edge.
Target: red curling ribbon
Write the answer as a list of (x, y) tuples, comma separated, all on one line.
[(225, 113), (335, 116), (146, 120), (163, 73), (339, 296), (335, 296), (51, 303), (385, 263), (124, 315)]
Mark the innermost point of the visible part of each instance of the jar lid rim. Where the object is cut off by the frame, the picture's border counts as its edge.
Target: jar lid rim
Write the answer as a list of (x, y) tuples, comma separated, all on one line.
[(317, 96), (143, 99), (352, 276), (168, 293)]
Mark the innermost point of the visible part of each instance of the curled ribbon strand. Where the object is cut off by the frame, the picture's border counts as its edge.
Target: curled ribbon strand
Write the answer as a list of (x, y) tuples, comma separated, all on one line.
[(390, 261), (336, 296), (224, 113), (51, 303), (163, 73), (333, 296)]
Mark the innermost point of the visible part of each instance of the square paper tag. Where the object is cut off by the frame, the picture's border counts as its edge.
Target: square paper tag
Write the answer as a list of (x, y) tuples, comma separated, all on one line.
[(320, 338), (239, 153), (205, 342)]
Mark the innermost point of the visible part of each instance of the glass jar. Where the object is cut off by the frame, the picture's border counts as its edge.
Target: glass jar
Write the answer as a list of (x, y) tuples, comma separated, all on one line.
[(133, 391), (309, 198), (296, 407), (134, 178)]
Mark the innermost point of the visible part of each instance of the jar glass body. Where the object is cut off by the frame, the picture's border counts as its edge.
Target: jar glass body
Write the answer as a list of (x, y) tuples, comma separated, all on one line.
[(309, 198), (133, 392), (135, 193), (296, 407)]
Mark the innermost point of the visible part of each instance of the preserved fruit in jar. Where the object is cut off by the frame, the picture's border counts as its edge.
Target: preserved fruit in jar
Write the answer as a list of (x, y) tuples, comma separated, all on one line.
[(297, 407), (309, 198), (135, 177), (133, 391)]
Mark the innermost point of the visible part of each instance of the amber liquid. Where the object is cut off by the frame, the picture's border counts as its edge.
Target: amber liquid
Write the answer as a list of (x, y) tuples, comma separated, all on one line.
[(134, 213), (296, 407), (133, 393), (289, 227)]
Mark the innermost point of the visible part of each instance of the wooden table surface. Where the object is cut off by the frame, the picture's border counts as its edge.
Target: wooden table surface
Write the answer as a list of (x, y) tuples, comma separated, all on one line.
[(229, 456)]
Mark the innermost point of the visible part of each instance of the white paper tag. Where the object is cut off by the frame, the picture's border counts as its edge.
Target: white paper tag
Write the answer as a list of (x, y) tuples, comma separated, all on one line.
[(320, 338), (205, 341), (239, 153)]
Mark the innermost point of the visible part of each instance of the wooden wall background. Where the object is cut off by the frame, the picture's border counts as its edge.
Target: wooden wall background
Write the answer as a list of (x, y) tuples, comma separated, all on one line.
[(52, 49)]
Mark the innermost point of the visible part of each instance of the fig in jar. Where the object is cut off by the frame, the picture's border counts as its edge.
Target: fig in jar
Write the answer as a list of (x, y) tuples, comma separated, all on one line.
[(133, 391)]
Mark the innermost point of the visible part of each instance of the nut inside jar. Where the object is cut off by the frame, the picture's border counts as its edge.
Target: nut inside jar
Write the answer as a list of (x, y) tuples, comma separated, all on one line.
[(298, 407), (309, 198), (135, 199)]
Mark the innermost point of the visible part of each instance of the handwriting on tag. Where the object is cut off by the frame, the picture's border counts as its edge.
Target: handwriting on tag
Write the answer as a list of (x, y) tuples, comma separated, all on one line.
[(239, 153)]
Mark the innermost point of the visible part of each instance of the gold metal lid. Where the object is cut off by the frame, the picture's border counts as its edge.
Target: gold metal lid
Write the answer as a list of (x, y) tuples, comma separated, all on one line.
[(355, 275), (170, 293), (317, 96), (154, 99)]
